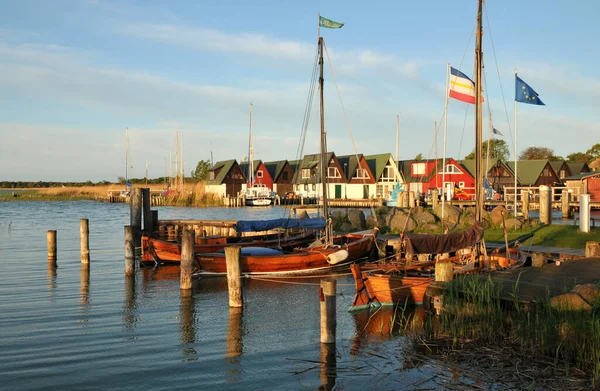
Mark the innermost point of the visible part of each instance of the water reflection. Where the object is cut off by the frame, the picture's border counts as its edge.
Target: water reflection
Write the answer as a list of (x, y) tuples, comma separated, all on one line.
[(187, 328), (234, 342), (84, 287), (129, 311), (328, 370), (52, 281)]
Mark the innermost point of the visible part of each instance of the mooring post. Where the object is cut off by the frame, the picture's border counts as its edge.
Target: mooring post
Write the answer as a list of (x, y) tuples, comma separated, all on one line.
[(84, 230), (146, 211), (153, 220), (411, 199), (525, 204), (51, 238), (404, 198), (129, 251), (592, 249), (565, 198), (434, 198), (545, 205), (327, 297), (234, 276), (584, 213), (136, 215), (188, 237)]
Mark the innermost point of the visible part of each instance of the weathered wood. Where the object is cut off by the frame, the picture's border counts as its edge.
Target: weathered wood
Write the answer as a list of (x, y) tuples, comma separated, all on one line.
[(187, 258), (592, 249), (51, 238), (153, 220), (538, 260), (136, 215), (234, 276), (129, 251), (235, 332), (404, 199), (84, 231), (565, 198), (411, 199), (444, 271), (545, 205), (525, 204), (146, 211), (328, 313), (434, 198)]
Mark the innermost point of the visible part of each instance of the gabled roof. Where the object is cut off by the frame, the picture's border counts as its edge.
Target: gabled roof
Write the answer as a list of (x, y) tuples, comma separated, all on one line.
[(352, 164), (244, 167), (310, 162), (528, 171), (378, 162), (405, 165), (579, 168), (275, 168), (225, 166), (469, 165)]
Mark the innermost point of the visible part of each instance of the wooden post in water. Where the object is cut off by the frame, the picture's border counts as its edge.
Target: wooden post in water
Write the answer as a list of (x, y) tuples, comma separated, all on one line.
[(525, 204), (565, 198), (545, 205), (146, 211), (129, 251), (404, 199), (434, 199), (84, 230), (411, 199), (327, 296), (136, 215), (51, 238), (188, 240), (153, 219), (234, 276)]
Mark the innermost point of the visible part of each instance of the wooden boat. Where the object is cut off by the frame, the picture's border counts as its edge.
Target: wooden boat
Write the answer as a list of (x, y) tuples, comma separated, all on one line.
[(316, 258)]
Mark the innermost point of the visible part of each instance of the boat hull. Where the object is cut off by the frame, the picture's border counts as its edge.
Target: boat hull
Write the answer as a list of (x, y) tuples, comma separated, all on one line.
[(309, 261), (259, 201)]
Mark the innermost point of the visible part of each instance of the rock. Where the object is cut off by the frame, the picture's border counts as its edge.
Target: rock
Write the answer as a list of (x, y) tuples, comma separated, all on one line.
[(451, 214), (400, 222), (431, 228), (570, 302), (372, 222), (337, 215), (303, 215), (592, 249), (589, 292), (346, 227), (513, 223), (357, 219), (496, 215), (423, 217)]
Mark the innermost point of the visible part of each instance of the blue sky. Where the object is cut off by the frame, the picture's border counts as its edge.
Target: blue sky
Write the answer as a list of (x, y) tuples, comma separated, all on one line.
[(75, 74)]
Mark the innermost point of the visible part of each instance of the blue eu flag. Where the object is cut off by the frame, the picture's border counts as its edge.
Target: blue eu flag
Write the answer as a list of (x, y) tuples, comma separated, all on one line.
[(526, 94)]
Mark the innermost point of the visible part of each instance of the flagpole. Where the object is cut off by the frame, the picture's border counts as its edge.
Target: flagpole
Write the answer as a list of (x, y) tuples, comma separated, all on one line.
[(319, 26), (444, 152), (516, 158)]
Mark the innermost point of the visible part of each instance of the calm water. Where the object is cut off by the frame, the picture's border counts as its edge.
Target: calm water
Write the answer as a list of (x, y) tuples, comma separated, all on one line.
[(66, 329)]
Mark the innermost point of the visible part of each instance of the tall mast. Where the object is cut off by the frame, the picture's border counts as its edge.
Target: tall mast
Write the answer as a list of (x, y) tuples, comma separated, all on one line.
[(177, 158), (250, 155), (324, 163), (397, 134), (479, 195), (126, 155)]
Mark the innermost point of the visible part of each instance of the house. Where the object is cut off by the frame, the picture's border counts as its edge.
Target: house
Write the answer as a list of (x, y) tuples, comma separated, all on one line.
[(424, 175), (359, 179), (308, 183), (261, 175), (586, 183), (535, 173), (582, 168), (498, 174), (561, 168), (225, 178), (384, 168), (282, 174)]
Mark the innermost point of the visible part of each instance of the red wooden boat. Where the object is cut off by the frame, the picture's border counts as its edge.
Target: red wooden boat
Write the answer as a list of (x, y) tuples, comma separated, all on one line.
[(345, 249)]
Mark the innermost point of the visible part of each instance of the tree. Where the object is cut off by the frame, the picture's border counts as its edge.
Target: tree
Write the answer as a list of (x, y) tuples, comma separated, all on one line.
[(536, 153), (419, 157), (201, 171), (594, 151), (578, 157), (498, 150)]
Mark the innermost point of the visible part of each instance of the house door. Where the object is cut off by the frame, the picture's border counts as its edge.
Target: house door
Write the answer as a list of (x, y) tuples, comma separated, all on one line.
[(366, 191), (449, 190), (338, 191)]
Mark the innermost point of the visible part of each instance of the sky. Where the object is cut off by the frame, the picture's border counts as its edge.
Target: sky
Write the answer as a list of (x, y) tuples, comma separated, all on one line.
[(75, 74)]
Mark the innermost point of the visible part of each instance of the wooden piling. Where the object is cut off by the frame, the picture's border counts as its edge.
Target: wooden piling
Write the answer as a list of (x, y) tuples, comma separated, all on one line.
[(188, 240), (146, 211), (328, 316), (129, 251), (411, 199), (154, 220), (538, 260), (84, 231), (234, 276), (592, 249), (136, 215), (565, 198), (525, 204), (51, 238), (545, 205), (434, 199)]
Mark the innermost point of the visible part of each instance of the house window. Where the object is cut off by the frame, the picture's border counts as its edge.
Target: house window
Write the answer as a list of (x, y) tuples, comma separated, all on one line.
[(285, 176), (211, 175), (451, 169), (361, 173), (379, 191), (314, 187), (259, 174), (389, 174), (461, 184), (305, 187), (305, 173), (332, 172), (418, 168), (562, 174), (546, 172)]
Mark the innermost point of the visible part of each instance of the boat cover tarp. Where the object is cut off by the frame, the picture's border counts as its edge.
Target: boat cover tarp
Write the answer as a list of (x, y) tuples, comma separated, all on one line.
[(265, 225), (443, 243)]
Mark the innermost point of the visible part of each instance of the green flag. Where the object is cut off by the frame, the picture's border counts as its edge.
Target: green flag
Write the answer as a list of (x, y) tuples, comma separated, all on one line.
[(330, 24)]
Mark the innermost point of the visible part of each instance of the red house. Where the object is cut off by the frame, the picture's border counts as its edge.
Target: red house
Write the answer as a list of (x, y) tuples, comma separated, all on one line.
[(424, 175), (261, 174)]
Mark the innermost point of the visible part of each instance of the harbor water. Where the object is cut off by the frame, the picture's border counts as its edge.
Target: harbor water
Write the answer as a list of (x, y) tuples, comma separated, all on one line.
[(70, 328)]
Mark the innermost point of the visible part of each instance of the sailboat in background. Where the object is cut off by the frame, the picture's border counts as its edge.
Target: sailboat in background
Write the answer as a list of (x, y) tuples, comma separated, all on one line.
[(392, 199), (125, 193), (257, 194)]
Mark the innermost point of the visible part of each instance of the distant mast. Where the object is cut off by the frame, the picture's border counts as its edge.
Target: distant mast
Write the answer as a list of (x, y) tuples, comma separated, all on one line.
[(250, 153), (126, 156), (479, 194)]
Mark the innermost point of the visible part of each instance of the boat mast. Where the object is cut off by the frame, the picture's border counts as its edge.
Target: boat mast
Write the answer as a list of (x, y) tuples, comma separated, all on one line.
[(324, 163), (479, 194), (126, 156), (250, 157)]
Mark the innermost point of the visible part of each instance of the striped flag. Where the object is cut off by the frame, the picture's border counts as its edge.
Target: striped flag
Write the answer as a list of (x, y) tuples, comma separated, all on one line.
[(461, 87)]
